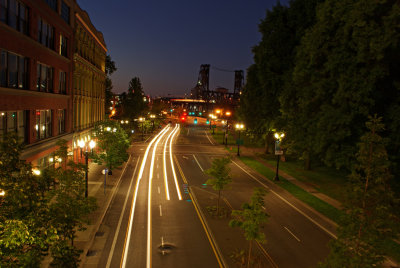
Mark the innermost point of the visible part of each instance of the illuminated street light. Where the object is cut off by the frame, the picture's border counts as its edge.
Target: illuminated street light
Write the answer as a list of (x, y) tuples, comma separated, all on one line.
[(239, 127), (278, 151), (36, 171), (82, 144), (142, 119)]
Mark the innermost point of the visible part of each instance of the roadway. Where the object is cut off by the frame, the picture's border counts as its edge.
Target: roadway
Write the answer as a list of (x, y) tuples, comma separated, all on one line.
[(172, 234)]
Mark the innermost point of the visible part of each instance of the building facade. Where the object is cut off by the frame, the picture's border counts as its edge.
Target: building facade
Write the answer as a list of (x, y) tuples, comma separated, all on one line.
[(37, 65), (89, 78)]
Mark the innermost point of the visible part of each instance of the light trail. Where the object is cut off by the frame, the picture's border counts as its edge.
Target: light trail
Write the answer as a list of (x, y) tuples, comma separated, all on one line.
[(139, 177), (165, 167), (148, 259), (172, 163)]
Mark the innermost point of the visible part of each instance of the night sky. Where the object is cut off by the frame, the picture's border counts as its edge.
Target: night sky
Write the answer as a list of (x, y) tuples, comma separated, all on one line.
[(165, 42)]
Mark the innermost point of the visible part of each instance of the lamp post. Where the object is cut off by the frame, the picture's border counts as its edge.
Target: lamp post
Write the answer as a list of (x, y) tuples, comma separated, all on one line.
[(152, 116), (227, 115), (141, 119), (82, 144), (278, 152), (238, 128)]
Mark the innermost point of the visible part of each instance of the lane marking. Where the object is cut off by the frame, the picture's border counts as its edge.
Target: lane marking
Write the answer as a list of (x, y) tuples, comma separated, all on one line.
[(207, 230), (267, 255), (185, 157), (198, 163), (160, 211), (120, 218), (158, 189), (208, 137), (291, 233), (158, 174), (287, 202), (134, 198)]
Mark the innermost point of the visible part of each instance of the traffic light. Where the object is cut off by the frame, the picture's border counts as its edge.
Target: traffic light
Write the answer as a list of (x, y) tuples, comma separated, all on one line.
[(195, 120), (208, 122), (200, 113)]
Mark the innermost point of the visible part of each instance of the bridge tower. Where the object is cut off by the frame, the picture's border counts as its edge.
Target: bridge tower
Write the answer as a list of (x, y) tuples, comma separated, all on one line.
[(238, 83)]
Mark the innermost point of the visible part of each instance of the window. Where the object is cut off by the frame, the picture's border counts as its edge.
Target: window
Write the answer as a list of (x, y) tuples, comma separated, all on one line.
[(61, 121), (63, 46), (13, 70), (65, 11), (52, 4), (45, 34), (14, 14), (43, 124), (13, 121), (44, 78), (63, 83)]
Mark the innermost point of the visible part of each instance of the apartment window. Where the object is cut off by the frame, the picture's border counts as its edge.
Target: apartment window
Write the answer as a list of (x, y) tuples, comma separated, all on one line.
[(61, 121), (14, 14), (45, 34), (52, 4), (43, 124), (63, 83), (13, 121), (13, 70), (44, 78), (65, 11), (63, 46)]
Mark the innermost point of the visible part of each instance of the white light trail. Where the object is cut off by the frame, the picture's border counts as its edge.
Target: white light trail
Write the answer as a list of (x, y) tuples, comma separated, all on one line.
[(172, 163), (139, 177), (148, 260), (165, 167)]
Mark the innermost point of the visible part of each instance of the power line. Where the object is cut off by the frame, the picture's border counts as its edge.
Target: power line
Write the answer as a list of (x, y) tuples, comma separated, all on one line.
[(222, 70)]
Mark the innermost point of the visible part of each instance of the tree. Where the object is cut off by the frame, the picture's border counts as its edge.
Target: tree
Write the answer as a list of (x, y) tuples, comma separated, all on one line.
[(282, 30), (220, 173), (112, 144), (110, 69), (25, 233), (345, 69), (370, 207), (133, 104), (251, 219)]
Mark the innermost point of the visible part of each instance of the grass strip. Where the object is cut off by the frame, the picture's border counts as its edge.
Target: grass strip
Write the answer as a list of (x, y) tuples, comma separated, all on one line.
[(314, 202)]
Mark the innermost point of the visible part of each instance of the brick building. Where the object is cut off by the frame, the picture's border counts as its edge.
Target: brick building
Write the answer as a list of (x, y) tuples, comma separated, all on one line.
[(37, 87)]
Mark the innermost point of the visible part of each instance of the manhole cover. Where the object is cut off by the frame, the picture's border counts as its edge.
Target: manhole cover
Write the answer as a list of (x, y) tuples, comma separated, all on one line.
[(165, 248), (91, 253), (99, 233)]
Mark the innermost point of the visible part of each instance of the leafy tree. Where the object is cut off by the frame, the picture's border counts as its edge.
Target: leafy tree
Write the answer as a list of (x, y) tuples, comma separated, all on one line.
[(112, 144), (282, 30), (25, 233), (346, 68), (220, 173), (110, 69), (369, 219), (251, 219), (133, 104)]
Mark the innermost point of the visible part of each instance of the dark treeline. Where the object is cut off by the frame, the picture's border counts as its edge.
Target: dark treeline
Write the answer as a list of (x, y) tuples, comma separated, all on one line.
[(321, 68)]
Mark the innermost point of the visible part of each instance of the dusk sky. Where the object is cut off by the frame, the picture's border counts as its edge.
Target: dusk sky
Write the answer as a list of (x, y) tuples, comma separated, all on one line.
[(165, 42)]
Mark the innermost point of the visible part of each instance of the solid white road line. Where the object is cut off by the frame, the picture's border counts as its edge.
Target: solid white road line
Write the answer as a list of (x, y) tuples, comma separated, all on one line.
[(160, 211), (198, 163), (208, 137), (120, 217), (290, 204), (291, 233)]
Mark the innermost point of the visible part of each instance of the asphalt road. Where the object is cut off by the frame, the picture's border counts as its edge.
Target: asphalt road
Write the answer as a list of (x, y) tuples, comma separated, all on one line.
[(172, 234)]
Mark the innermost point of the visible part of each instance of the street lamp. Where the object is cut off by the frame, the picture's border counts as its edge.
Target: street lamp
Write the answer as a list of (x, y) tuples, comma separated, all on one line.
[(239, 127), (82, 144), (278, 151), (141, 119), (152, 116), (227, 115)]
